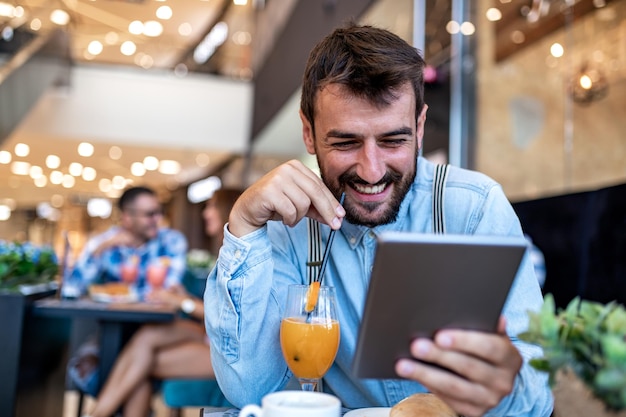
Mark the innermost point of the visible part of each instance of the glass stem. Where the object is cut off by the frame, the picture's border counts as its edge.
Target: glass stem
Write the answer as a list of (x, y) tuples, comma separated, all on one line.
[(308, 384)]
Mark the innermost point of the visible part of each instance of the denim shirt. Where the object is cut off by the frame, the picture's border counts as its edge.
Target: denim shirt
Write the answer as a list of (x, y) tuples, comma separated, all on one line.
[(247, 289), (105, 267)]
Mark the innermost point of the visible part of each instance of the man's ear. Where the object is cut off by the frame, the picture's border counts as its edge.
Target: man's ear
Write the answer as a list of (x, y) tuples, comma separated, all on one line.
[(307, 134), (421, 120)]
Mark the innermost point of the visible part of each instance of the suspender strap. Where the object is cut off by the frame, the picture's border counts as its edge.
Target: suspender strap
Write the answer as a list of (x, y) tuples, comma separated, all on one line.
[(314, 260), (439, 186)]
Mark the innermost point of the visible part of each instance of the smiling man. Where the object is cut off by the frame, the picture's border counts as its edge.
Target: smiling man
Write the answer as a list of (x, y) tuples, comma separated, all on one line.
[(363, 116)]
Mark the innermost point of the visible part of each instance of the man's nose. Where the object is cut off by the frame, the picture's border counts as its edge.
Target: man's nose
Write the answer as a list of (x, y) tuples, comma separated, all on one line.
[(371, 165)]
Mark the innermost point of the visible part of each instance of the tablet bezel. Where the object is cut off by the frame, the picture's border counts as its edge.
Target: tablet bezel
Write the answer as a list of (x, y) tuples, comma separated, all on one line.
[(425, 288)]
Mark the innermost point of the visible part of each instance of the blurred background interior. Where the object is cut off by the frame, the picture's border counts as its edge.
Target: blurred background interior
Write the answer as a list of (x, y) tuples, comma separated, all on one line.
[(185, 95)]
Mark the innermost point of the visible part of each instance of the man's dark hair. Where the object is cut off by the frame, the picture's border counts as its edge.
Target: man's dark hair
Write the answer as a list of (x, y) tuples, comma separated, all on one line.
[(131, 194), (371, 63)]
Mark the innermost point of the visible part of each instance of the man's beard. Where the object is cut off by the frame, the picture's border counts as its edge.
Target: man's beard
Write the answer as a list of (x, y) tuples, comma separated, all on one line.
[(390, 214)]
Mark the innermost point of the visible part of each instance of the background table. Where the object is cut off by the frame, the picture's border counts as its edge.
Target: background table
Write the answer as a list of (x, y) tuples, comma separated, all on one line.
[(113, 321)]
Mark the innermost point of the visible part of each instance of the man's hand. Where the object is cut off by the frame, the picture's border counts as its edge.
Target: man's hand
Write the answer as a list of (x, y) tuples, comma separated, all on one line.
[(486, 366), (120, 239), (287, 193)]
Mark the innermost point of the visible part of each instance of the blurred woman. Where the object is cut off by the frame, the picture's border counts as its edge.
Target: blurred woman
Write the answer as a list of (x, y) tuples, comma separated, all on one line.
[(162, 351)]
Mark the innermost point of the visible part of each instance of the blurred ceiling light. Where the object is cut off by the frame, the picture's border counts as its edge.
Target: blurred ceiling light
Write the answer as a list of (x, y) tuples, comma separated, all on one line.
[(115, 152), (151, 163), (208, 45), (169, 167), (467, 28), (89, 174), (104, 185), (53, 161), (152, 28), (589, 85), (22, 149), (7, 10), (35, 24), (5, 157), (185, 29), (57, 200), (85, 149), (135, 27), (146, 61), (68, 181), (18, 11), (5, 212), (40, 182), (118, 182), (56, 177), (99, 207), (20, 167), (181, 70), (453, 27), (35, 172), (7, 34), (240, 2), (203, 159), (128, 48), (164, 12), (137, 169), (45, 211), (203, 190), (95, 48), (75, 169), (518, 37), (111, 38), (556, 50), (493, 14), (59, 17), (10, 202), (242, 37)]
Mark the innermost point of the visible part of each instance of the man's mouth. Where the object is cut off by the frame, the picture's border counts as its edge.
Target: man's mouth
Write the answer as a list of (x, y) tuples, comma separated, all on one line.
[(370, 189)]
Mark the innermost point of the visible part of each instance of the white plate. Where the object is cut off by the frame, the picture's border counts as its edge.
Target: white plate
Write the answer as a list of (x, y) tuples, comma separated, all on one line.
[(369, 412)]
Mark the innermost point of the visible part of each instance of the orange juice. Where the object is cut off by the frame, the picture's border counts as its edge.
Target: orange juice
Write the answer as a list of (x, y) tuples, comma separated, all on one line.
[(309, 348)]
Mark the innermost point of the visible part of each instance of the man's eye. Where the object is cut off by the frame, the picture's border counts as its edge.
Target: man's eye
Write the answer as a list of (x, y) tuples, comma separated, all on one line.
[(344, 144), (393, 141)]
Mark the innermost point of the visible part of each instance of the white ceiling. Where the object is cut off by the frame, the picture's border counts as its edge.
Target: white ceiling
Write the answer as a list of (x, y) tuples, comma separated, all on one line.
[(152, 112)]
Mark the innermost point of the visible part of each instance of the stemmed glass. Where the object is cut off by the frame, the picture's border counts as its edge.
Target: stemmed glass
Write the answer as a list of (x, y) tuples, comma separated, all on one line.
[(157, 272), (309, 340), (129, 270)]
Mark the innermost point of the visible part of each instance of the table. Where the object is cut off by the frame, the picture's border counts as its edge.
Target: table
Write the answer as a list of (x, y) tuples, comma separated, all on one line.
[(112, 319)]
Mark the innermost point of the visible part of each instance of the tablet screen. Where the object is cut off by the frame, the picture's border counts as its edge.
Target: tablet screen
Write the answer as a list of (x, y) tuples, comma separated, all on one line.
[(421, 283)]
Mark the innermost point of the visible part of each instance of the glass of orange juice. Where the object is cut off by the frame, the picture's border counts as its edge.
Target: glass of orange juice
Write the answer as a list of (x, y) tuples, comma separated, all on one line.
[(309, 340)]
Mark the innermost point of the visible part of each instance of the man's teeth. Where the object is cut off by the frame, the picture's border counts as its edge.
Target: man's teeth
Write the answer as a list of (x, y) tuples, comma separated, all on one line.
[(370, 189)]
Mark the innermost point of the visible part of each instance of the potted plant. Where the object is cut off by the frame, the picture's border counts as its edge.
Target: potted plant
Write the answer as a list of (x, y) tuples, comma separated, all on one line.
[(25, 264), (584, 354)]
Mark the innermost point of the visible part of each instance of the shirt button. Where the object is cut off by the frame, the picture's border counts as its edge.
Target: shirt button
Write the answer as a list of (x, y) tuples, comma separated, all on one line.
[(352, 240), (237, 254), (371, 234)]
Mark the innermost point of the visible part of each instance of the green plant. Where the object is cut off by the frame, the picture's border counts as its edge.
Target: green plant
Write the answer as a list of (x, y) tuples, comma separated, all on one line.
[(25, 263), (200, 258), (587, 338)]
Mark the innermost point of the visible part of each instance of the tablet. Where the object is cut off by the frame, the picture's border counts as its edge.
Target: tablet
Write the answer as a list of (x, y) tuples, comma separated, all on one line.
[(421, 283)]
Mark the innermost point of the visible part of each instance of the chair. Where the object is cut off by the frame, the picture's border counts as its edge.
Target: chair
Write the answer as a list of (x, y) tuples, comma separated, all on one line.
[(180, 393)]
